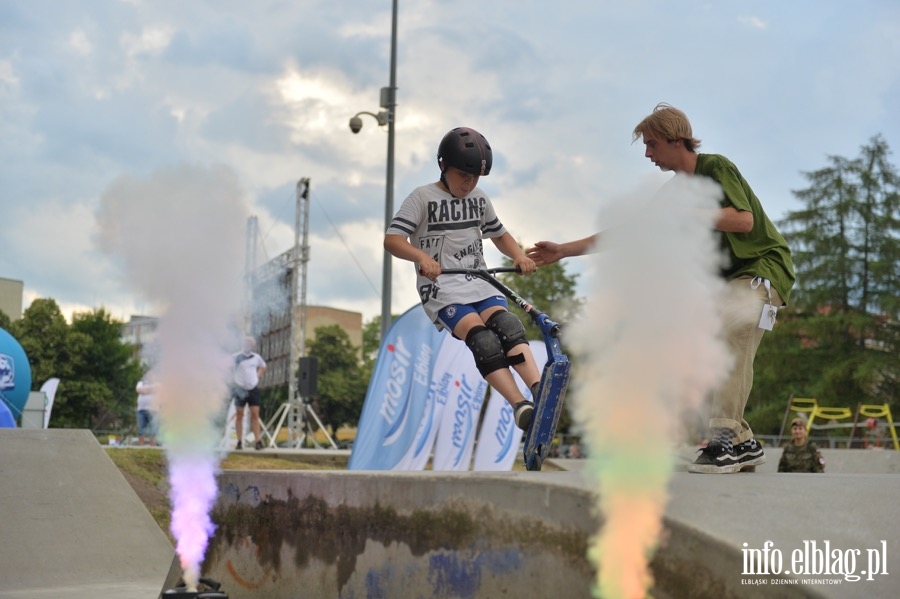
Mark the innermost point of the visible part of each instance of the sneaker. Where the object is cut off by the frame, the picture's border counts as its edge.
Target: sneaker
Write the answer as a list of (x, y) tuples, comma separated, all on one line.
[(749, 454), (522, 413), (534, 390), (258, 445), (715, 459), (239, 446)]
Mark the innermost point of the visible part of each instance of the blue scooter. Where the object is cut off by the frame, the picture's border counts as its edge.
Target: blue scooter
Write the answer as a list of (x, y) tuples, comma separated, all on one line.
[(555, 378)]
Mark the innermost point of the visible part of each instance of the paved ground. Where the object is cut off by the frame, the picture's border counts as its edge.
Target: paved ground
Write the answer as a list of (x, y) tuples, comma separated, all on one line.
[(72, 527), (848, 514)]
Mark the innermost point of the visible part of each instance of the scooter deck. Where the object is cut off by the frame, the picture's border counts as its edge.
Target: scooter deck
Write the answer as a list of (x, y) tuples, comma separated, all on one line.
[(547, 409)]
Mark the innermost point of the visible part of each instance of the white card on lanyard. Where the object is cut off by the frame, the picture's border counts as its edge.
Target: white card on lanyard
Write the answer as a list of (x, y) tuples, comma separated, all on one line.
[(769, 312)]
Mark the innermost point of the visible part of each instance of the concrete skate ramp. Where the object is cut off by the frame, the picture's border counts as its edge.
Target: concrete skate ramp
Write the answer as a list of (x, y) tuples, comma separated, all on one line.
[(470, 535), (70, 524)]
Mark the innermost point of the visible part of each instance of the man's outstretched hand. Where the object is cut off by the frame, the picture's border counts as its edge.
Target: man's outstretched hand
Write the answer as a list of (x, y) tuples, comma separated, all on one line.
[(545, 252)]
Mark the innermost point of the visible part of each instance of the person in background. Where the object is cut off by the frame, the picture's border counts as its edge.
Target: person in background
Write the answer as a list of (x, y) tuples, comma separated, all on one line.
[(248, 368), (801, 454), (147, 408), (874, 433)]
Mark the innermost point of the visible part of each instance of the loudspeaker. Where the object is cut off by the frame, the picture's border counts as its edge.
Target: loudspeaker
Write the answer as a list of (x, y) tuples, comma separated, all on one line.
[(307, 377)]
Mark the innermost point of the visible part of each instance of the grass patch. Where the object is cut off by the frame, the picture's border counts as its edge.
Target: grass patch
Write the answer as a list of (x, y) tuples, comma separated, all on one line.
[(146, 464), (260, 461)]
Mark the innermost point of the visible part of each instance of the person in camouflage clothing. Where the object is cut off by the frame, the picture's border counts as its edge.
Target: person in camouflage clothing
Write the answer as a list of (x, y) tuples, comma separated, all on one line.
[(801, 455)]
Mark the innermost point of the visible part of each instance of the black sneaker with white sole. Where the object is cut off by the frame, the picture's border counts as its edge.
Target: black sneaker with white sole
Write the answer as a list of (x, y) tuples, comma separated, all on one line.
[(715, 459), (749, 453), (522, 413)]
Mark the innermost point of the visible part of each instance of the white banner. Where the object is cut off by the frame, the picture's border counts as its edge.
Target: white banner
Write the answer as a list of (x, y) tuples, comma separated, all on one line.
[(459, 423), (49, 390), (500, 438), (452, 355)]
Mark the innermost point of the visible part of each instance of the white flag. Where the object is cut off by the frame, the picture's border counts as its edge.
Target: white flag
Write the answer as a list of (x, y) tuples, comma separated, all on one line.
[(459, 423), (49, 388)]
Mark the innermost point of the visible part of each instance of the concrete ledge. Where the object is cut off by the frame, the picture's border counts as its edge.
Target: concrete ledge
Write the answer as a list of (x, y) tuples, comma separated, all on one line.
[(344, 534)]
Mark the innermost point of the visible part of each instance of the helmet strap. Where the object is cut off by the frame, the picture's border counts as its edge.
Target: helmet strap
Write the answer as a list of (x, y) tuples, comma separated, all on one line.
[(444, 183)]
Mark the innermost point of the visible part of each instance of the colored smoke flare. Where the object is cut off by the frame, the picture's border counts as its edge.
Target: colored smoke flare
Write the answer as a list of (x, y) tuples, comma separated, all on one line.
[(650, 349), (179, 235)]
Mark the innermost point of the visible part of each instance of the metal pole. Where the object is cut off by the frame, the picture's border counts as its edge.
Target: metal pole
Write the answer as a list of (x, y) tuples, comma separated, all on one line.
[(299, 258), (304, 260), (390, 104)]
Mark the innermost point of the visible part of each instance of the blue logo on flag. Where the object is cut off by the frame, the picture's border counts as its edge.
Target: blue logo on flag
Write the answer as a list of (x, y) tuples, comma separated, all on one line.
[(504, 433)]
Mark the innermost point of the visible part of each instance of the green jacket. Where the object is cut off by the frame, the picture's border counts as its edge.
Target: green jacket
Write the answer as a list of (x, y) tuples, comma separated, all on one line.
[(802, 458), (762, 252)]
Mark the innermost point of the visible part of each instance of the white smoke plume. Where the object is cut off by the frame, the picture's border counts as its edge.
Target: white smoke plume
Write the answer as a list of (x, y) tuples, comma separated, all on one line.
[(179, 235), (650, 348)]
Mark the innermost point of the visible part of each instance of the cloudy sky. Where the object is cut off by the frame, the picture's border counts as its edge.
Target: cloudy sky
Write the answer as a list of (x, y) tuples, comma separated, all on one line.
[(92, 91)]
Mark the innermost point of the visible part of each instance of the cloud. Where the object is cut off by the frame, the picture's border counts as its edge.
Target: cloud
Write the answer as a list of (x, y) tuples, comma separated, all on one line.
[(105, 90), (8, 79), (754, 22), (53, 240), (80, 43), (150, 41)]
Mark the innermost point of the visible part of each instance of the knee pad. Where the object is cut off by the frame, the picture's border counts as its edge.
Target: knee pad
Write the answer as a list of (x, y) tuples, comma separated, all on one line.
[(509, 329), (487, 349)]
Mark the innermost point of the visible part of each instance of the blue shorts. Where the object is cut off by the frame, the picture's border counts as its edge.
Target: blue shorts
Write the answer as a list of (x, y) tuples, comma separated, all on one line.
[(147, 423), (450, 316)]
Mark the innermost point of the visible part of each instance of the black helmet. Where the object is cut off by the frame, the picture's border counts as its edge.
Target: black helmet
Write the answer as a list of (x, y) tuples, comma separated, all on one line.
[(467, 150)]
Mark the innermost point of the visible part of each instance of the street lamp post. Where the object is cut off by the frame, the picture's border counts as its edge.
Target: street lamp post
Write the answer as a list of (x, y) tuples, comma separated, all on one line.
[(386, 117)]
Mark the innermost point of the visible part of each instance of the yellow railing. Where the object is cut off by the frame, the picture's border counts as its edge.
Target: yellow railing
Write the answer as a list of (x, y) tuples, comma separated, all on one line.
[(810, 406), (882, 411)]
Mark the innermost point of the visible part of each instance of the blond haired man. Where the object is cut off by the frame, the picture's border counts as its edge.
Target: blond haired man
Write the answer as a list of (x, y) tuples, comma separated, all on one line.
[(758, 262)]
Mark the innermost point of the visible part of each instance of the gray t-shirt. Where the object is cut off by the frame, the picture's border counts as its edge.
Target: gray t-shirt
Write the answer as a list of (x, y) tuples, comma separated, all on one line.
[(451, 231)]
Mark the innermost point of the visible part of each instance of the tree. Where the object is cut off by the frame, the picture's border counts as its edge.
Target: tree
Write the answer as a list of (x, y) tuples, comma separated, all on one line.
[(846, 241), (105, 369), (371, 339), (839, 341), (97, 371), (341, 380), (44, 335), (5, 321)]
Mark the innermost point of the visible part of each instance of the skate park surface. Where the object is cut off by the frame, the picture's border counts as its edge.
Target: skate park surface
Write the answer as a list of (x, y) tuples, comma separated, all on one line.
[(72, 527)]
